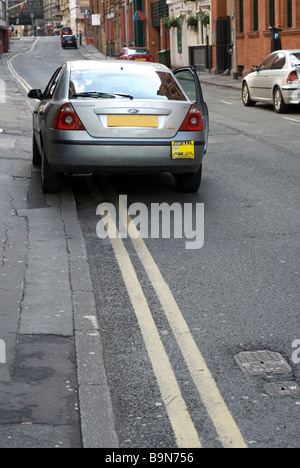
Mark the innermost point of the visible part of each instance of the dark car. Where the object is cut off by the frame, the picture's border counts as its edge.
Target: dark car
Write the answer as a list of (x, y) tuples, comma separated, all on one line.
[(68, 41), (136, 53), (66, 31)]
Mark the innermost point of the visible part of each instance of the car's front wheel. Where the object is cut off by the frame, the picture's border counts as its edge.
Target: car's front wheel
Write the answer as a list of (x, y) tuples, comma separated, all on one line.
[(51, 182), (188, 183), (279, 104), (247, 101)]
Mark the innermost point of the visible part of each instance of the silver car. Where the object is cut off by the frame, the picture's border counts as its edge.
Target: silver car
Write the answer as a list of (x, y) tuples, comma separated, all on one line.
[(104, 116), (276, 81)]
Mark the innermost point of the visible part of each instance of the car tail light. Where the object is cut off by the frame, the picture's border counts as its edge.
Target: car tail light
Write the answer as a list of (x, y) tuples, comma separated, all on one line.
[(67, 119), (292, 78), (193, 120)]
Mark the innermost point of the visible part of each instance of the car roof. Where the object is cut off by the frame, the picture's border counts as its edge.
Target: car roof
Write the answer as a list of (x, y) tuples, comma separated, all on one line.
[(286, 51), (114, 66)]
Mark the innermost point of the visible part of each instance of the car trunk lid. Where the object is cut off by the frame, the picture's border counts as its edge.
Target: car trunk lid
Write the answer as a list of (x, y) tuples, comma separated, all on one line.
[(121, 118)]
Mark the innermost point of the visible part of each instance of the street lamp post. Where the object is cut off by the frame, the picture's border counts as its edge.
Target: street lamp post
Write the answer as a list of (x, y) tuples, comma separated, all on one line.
[(234, 49), (126, 22)]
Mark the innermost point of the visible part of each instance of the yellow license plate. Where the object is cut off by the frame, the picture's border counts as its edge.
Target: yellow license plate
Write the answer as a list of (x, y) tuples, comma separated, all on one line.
[(183, 150), (141, 59), (144, 121)]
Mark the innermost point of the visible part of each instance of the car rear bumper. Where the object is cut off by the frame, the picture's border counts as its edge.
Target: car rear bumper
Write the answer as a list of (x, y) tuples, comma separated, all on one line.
[(88, 156), (291, 94)]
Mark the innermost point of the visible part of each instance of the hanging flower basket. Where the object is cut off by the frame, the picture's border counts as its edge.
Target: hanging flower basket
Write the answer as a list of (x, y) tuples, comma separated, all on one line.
[(172, 22), (206, 19), (203, 17), (192, 23)]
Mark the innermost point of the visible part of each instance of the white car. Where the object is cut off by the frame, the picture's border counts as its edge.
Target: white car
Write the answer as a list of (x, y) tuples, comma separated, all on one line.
[(276, 81)]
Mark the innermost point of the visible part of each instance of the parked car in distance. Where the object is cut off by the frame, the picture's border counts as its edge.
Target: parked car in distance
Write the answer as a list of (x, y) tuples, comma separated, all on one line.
[(136, 53), (65, 31), (276, 81), (69, 41), (104, 116)]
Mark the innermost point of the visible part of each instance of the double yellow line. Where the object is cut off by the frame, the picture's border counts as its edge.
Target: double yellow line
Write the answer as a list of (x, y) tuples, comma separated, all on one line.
[(16, 75), (184, 430)]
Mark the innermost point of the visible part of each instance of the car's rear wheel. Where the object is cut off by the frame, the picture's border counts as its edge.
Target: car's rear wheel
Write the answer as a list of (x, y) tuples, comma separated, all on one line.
[(36, 157), (51, 182), (279, 104), (188, 183), (247, 101)]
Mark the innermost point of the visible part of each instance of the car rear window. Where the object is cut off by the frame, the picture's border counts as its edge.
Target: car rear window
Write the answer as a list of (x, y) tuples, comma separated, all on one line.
[(138, 51), (295, 59), (151, 85)]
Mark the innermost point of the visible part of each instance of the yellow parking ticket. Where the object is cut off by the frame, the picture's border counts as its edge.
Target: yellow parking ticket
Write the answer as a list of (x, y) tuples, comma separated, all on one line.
[(183, 150)]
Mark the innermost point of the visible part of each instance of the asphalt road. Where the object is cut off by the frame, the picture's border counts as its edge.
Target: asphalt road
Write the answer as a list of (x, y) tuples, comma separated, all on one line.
[(173, 318)]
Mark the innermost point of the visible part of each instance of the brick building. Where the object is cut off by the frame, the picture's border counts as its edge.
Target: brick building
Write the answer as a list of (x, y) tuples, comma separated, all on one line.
[(142, 26), (254, 18), (3, 28)]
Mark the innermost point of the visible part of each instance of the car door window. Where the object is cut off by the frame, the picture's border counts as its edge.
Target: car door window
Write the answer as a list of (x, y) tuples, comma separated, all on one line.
[(49, 91), (187, 81), (267, 63), (279, 62)]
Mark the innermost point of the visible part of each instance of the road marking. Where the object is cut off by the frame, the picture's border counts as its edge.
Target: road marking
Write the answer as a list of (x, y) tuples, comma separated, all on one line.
[(183, 427), (226, 102), (293, 120), (220, 415), (21, 80)]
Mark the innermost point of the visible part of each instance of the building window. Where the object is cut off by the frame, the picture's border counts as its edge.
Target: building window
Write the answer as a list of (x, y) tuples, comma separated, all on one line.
[(255, 15), (2, 10), (289, 13), (271, 13), (241, 16)]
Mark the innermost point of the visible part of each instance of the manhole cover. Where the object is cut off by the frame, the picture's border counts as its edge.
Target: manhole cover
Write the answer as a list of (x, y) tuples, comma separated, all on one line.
[(262, 362), (282, 388)]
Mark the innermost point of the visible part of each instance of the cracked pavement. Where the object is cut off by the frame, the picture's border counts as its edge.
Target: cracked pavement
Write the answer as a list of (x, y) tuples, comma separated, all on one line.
[(38, 382)]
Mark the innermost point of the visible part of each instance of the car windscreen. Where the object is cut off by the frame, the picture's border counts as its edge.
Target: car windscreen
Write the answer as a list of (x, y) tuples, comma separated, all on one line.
[(151, 85), (295, 59)]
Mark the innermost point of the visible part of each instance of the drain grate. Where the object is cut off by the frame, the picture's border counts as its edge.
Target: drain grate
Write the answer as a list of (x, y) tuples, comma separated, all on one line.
[(262, 362), (282, 388)]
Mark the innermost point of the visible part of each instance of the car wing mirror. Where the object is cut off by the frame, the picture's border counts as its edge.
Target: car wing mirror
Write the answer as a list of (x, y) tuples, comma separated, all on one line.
[(254, 68), (35, 94)]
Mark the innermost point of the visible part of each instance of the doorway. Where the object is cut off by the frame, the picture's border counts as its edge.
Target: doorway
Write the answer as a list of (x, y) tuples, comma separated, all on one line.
[(224, 43)]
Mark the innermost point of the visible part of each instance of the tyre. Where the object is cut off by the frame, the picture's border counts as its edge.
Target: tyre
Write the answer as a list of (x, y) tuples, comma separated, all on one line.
[(279, 104), (188, 183), (247, 101), (36, 157), (51, 182)]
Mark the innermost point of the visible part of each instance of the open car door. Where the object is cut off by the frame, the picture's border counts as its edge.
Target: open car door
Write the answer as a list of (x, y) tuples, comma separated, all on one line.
[(189, 80)]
